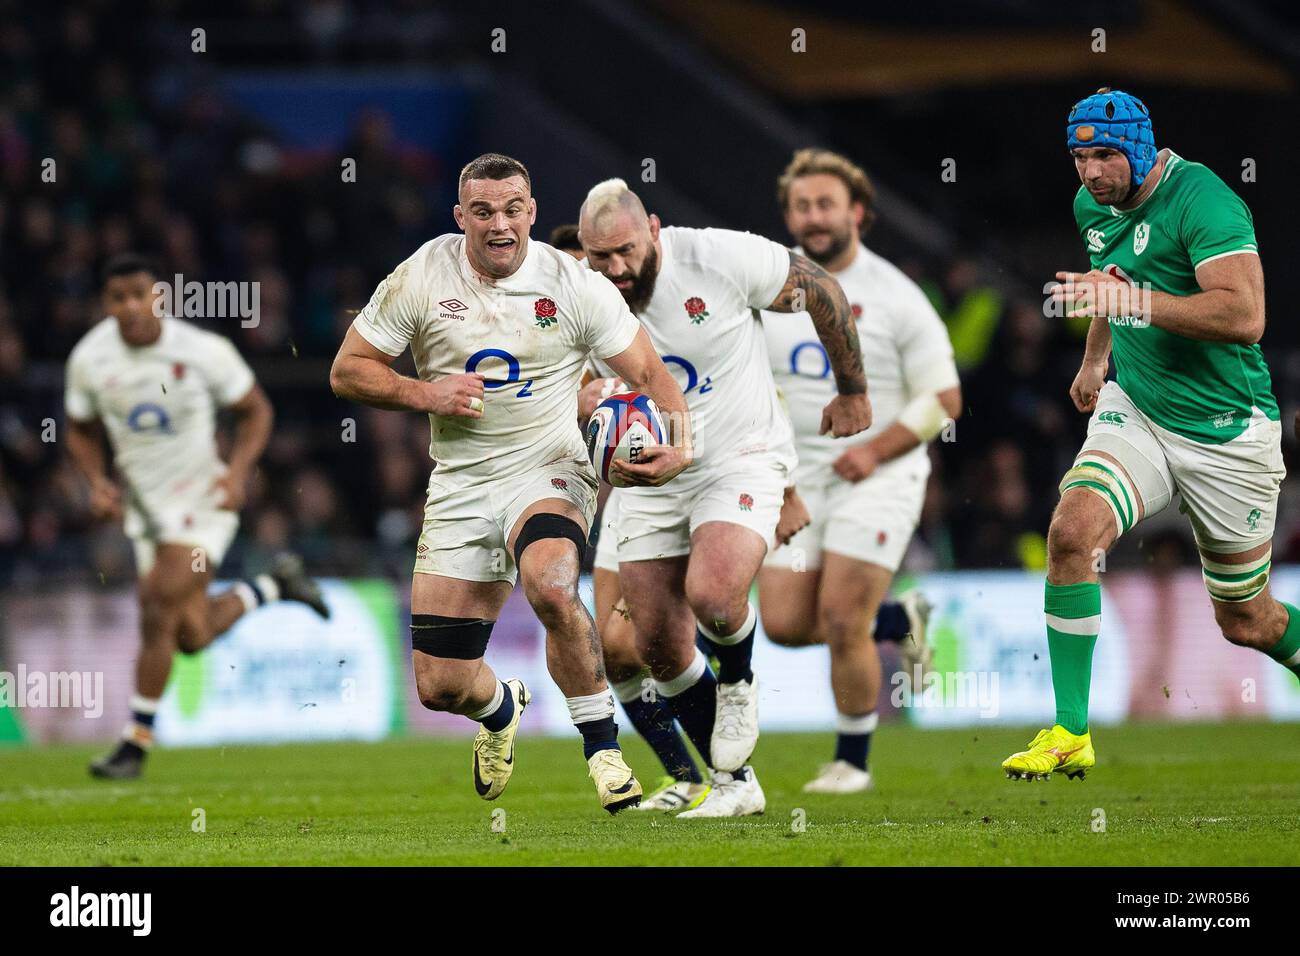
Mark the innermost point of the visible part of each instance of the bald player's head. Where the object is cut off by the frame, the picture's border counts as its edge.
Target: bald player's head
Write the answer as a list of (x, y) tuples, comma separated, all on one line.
[(621, 241)]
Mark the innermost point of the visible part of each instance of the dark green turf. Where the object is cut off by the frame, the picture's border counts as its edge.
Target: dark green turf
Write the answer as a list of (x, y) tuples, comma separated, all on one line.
[(1172, 794)]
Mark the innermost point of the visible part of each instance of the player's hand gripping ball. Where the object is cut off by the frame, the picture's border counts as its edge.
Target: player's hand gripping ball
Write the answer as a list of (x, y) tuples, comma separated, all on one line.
[(621, 428)]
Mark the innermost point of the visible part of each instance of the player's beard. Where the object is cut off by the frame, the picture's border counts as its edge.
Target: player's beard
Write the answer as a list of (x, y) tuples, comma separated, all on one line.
[(839, 241), (642, 290)]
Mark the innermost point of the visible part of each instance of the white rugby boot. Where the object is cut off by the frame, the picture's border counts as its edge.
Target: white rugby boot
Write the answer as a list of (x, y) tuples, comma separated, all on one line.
[(915, 650), (735, 725), (730, 796), (840, 777), (674, 795)]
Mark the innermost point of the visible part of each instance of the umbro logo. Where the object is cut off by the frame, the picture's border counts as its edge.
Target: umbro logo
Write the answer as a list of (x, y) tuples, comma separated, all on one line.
[(454, 309)]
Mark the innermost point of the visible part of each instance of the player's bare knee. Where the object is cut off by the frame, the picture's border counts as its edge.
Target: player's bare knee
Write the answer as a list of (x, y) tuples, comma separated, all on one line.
[(1076, 537), (444, 699), (555, 601), (191, 640), (717, 608), (439, 692), (159, 612), (841, 626)]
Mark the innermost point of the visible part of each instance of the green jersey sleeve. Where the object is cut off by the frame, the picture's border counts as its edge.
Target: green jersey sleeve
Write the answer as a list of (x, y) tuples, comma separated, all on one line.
[(1215, 221)]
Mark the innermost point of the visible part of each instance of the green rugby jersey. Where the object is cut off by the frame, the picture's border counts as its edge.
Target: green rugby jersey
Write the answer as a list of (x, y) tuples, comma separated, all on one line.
[(1201, 390)]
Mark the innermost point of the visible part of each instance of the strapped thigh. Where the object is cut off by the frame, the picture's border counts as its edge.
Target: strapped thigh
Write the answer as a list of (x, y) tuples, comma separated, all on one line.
[(1122, 475), (1236, 583)]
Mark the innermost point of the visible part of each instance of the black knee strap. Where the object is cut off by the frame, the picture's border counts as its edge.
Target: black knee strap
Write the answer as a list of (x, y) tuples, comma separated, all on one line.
[(544, 525), (464, 638)]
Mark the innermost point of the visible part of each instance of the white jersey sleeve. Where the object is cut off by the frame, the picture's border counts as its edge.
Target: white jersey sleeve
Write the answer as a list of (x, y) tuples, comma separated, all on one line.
[(388, 322), (607, 326), (923, 344), (758, 265), (228, 376), (79, 401)]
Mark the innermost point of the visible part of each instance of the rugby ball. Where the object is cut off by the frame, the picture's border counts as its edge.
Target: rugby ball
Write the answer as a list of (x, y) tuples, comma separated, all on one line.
[(621, 427)]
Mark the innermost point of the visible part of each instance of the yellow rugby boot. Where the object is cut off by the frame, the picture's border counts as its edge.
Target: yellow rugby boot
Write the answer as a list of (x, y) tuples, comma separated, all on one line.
[(1052, 751), (616, 785), (494, 753)]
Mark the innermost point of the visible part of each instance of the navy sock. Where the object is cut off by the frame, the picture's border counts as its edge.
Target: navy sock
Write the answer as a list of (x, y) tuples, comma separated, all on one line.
[(733, 659), (695, 709), (499, 718), (853, 748), (144, 720), (891, 622), (597, 735), (653, 720)]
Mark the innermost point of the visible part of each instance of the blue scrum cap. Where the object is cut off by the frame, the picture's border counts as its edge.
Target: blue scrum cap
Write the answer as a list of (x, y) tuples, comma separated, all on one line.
[(1117, 120)]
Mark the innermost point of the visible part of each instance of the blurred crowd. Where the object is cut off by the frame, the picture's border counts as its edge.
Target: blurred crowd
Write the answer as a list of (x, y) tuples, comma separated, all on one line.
[(176, 171)]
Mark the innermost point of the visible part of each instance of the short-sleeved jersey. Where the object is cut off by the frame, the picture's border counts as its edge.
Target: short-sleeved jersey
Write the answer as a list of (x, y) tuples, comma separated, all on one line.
[(1201, 390), (703, 321), (904, 343), (528, 334), (158, 403)]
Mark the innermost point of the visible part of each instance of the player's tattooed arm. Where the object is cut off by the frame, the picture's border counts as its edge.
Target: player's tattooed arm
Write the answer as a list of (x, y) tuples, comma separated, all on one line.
[(362, 373), (810, 288)]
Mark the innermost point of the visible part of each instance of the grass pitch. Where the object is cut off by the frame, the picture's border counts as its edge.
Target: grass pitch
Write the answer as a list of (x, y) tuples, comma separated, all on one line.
[(1223, 794)]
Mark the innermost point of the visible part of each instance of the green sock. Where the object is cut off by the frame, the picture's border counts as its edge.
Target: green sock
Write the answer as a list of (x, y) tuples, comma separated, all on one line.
[(1287, 650), (1073, 620)]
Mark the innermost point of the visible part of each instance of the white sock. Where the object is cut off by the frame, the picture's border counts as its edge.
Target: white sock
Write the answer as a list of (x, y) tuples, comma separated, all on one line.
[(140, 704), (743, 632), (247, 596), (492, 705), (266, 584), (686, 679), (595, 706), (140, 734), (860, 724)]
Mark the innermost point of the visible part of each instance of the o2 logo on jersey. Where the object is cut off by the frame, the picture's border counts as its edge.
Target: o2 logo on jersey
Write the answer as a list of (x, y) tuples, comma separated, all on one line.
[(148, 417), (810, 360), (512, 373), (692, 376)]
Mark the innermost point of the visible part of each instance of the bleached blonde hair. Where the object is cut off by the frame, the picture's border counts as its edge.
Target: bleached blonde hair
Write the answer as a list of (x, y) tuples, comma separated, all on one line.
[(609, 198)]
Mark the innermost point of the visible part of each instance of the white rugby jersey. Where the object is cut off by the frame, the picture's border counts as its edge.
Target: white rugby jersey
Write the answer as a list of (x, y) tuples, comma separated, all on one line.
[(158, 403), (528, 334), (903, 342), (703, 321)]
